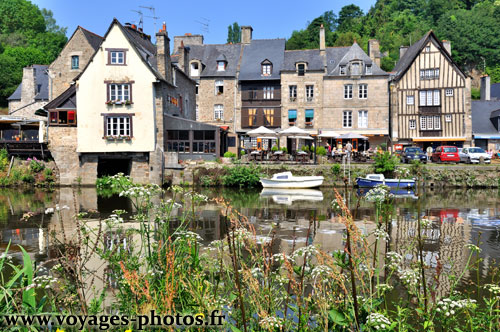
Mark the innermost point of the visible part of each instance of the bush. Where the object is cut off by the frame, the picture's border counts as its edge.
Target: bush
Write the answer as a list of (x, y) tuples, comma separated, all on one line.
[(4, 159), (284, 149), (242, 153), (27, 178), (242, 176), (321, 151), (336, 169), (305, 148), (385, 163), (35, 165), (229, 154), (274, 148)]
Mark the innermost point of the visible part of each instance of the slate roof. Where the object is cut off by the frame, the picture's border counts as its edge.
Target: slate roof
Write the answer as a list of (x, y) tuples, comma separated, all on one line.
[(93, 39), (41, 78), (257, 51), (414, 50), (482, 111), (341, 56), (65, 98), (495, 91), (209, 54), (311, 57)]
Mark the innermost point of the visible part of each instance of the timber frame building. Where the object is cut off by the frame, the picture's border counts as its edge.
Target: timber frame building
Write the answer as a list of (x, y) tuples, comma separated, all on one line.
[(430, 97)]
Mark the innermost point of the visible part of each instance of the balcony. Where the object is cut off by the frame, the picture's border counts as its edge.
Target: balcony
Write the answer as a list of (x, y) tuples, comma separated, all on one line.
[(429, 110), (253, 95), (309, 99), (293, 99), (309, 123)]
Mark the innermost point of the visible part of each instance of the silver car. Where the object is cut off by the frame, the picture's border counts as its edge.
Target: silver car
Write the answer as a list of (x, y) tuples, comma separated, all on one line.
[(473, 155)]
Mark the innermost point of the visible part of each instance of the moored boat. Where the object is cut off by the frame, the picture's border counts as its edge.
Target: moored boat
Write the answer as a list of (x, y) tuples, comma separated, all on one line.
[(371, 180), (287, 180)]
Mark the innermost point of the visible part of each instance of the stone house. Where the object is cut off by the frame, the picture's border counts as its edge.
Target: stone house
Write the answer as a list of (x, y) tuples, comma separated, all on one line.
[(486, 118), (430, 97), (130, 105), (31, 94)]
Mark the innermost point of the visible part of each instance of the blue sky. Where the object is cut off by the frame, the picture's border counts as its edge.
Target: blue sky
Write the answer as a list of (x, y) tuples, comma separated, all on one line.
[(269, 18)]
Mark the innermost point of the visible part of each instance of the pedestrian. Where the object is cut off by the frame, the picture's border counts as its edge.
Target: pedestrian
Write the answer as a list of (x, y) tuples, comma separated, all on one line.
[(429, 152), (329, 148), (348, 148)]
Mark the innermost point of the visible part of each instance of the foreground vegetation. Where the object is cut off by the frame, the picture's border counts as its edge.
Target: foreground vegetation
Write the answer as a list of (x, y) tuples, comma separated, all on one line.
[(24, 172), (158, 262)]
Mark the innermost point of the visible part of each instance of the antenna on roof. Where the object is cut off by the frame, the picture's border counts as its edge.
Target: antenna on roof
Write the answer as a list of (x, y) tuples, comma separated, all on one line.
[(141, 16), (205, 24), (154, 17)]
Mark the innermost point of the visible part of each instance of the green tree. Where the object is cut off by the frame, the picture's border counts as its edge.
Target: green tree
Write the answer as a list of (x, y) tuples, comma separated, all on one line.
[(349, 18), (50, 22), (234, 33)]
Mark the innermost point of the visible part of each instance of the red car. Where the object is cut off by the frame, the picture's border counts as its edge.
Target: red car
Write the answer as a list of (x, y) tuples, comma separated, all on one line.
[(446, 154)]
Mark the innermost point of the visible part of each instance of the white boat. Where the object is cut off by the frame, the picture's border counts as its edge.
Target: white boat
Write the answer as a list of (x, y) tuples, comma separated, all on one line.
[(287, 180), (288, 196), (371, 180)]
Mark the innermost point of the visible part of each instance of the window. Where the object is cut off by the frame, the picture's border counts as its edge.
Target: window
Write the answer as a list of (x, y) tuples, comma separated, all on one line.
[(178, 141), (203, 141), (38, 88), (252, 117), (413, 124), (116, 57), (368, 70), (63, 117), (449, 92), (221, 65), (267, 69), (362, 119), (75, 62), (268, 92), (309, 117), (427, 48), (197, 88), (342, 70), (309, 92), (410, 100), (292, 116), (219, 112), (447, 118), (363, 91), (430, 98), (292, 90), (118, 125), (355, 68), (347, 119), (219, 87), (119, 92), (197, 113), (301, 69), (430, 122), (436, 73), (269, 117), (195, 69), (429, 74), (348, 91)]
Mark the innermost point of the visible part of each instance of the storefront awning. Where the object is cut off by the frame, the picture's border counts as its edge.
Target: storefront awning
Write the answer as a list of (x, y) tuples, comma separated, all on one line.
[(486, 136), (438, 139)]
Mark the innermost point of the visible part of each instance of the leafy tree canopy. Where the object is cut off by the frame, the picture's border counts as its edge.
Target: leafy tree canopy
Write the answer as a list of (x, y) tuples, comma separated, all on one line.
[(234, 33)]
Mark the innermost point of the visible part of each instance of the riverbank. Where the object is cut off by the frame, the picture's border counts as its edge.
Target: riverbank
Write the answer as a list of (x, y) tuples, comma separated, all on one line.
[(31, 172), (456, 176)]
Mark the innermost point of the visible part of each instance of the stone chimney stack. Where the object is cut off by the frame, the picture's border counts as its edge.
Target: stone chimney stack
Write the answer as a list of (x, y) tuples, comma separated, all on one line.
[(485, 88), (184, 58), (163, 54), (374, 51), (187, 39), (28, 91), (402, 51), (246, 34), (447, 46), (322, 41)]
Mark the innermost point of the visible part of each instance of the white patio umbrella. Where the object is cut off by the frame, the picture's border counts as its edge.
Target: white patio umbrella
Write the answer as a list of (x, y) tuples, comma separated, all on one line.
[(293, 131), (329, 134), (262, 132), (352, 136)]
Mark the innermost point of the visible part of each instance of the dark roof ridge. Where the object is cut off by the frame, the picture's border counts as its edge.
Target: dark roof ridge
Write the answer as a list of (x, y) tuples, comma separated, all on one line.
[(95, 34)]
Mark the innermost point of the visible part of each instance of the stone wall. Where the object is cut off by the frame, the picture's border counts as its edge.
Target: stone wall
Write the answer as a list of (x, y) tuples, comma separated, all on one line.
[(139, 172), (88, 169), (17, 108), (207, 99), (62, 145), (60, 72)]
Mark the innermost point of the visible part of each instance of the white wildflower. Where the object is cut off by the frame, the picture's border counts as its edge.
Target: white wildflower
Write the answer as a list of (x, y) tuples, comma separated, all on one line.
[(384, 288), (394, 260), (425, 223), (451, 307), (321, 270), (187, 236), (409, 277), (378, 194), (473, 247), (49, 210), (378, 321), (271, 323), (309, 250), (381, 234)]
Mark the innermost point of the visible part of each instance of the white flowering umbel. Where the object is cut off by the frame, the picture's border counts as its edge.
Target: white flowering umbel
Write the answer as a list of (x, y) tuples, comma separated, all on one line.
[(425, 223), (449, 307), (378, 194), (381, 234), (378, 321), (473, 247), (187, 236), (409, 277), (402, 172), (321, 271), (42, 282), (394, 260), (271, 323), (383, 288), (301, 252), (493, 289)]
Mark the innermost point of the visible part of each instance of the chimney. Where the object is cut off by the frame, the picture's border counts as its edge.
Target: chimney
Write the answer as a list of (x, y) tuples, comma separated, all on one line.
[(246, 34), (485, 88), (183, 58), (374, 51), (28, 91), (163, 54), (447, 46), (402, 51), (187, 39), (322, 43)]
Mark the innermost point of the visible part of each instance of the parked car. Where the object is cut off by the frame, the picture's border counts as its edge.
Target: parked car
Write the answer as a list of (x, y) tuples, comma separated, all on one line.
[(445, 153), (412, 153), (473, 155)]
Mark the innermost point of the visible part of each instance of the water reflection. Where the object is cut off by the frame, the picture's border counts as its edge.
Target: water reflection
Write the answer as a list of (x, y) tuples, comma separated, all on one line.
[(458, 217)]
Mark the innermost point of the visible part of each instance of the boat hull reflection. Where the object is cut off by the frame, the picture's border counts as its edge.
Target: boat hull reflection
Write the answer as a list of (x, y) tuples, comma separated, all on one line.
[(288, 196)]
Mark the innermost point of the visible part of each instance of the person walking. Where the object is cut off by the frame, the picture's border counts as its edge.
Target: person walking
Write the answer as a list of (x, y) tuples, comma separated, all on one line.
[(329, 149), (348, 148), (429, 152)]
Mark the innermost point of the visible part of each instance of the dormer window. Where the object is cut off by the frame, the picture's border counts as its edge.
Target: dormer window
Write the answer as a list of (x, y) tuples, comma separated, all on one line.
[(221, 65), (368, 70), (355, 68), (342, 70), (267, 68), (301, 69), (195, 69)]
